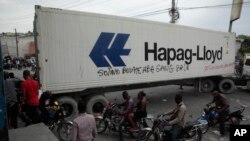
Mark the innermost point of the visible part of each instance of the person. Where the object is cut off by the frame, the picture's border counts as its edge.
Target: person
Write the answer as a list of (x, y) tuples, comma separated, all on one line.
[(140, 111), (128, 105), (44, 102), (30, 98), (11, 99), (84, 126), (222, 107), (177, 117)]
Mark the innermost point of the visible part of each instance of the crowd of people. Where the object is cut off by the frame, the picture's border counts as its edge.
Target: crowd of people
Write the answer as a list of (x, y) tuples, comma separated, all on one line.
[(22, 98), (174, 118), (19, 63)]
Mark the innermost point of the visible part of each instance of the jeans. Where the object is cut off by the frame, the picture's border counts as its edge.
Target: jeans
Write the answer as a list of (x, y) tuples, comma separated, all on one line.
[(223, 116), (12, 110), (33, 113), (176, 131)]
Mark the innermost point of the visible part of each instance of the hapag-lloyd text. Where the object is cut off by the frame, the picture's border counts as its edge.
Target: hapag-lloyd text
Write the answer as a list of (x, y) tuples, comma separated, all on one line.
[(180, 54)]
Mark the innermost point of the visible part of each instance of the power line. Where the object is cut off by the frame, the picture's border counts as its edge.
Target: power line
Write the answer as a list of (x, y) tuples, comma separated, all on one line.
[(246, 4), (145, 6), (27, 17), (212, 6), (153, 13)]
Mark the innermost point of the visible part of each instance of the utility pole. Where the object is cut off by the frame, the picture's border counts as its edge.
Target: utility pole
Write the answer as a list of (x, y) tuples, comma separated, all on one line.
[(16, 44), (174, 13)]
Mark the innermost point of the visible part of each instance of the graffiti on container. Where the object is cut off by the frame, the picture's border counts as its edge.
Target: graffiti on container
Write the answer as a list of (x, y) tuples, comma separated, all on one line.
[(220, 66), (148, 69)]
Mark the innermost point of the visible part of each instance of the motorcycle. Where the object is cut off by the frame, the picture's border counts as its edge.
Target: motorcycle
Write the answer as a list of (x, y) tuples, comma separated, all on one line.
[(160, 132), (112, 120), (211, 117), (53, 116)]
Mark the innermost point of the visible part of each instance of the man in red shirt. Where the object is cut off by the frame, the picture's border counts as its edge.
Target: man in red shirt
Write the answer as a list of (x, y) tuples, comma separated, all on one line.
[(30, 90)]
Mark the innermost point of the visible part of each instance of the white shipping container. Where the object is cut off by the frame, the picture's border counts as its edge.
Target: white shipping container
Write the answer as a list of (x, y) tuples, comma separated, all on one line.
[(79, 50)]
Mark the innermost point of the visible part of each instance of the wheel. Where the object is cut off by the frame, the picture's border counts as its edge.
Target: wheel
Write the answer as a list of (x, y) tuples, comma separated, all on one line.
[(64, 131), (101, 125), (204, 128), (96, 103), (153, 135), (198, 137), (70, 106), (207, 85), (193, 134), (226, 86), (142, 135)]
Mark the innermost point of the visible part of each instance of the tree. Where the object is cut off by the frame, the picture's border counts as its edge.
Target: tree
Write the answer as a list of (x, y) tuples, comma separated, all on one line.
[(245, 45)]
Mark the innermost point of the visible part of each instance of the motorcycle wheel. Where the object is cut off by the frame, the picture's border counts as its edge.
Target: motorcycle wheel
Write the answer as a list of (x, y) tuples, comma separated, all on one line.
[(153, 136), (64, 131), (198, 136), (139, 135), (204, 128), (101, 125)]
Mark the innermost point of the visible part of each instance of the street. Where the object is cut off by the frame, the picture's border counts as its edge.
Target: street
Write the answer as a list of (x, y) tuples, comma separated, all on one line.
[(161, 99)]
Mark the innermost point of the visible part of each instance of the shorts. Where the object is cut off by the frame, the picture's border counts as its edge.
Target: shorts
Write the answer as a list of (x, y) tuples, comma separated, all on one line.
[(140, 114)]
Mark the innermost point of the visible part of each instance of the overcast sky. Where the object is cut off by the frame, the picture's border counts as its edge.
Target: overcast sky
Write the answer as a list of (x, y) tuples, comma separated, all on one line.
[(207, 14)]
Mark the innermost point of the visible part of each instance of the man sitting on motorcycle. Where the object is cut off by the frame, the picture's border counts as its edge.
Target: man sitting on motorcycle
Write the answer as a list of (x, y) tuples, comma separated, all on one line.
[(222, 107), (177, 117), (128, 105), (140, 112)]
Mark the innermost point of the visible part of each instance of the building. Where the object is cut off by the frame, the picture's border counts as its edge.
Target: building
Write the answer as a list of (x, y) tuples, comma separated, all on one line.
[(26, 46)]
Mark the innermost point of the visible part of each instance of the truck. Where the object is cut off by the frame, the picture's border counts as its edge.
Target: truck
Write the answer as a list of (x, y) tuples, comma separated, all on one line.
[(246, 65), (82, 56)]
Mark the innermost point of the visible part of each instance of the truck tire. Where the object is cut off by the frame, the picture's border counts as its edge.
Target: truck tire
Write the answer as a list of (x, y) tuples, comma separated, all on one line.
[(207, 85), (70, 106), (226, 86), (96, 103)]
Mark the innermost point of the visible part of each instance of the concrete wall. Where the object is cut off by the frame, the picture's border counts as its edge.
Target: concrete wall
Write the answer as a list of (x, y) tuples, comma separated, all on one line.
[(25, 46)]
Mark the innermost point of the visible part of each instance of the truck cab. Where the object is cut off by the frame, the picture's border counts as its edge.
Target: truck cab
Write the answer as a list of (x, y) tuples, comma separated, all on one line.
[(246, 67)]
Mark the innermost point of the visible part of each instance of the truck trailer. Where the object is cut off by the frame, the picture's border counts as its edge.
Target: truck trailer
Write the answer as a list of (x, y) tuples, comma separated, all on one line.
[(83, 55)]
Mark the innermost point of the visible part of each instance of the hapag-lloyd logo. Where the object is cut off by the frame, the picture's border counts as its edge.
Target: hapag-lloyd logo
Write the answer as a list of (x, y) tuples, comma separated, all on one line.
[(109, 48), (113, 51)]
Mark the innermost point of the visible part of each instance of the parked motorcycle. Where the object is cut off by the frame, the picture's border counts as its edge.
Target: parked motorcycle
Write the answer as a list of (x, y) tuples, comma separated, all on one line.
[(211, 117), (53, 116), (160, 132), (112, 120)]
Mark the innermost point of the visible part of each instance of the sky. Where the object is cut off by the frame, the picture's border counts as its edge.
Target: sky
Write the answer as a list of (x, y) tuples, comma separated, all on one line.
[(206, 14)]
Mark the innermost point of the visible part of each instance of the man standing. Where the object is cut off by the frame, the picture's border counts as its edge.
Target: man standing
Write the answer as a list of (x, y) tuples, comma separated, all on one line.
[(222, 107), (84, 126), (30, 92), (177, 117), (11, 99)]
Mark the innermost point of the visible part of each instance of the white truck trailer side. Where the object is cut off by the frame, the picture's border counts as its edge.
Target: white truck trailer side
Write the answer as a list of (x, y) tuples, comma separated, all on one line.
[(86, 54)]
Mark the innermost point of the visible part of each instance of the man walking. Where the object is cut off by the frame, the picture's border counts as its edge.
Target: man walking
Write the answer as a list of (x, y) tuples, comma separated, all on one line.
[(11, 99), (84, 126), (30, 92)]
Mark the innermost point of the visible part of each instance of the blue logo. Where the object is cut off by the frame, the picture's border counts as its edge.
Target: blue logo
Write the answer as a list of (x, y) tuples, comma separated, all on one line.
[(113, 53)]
